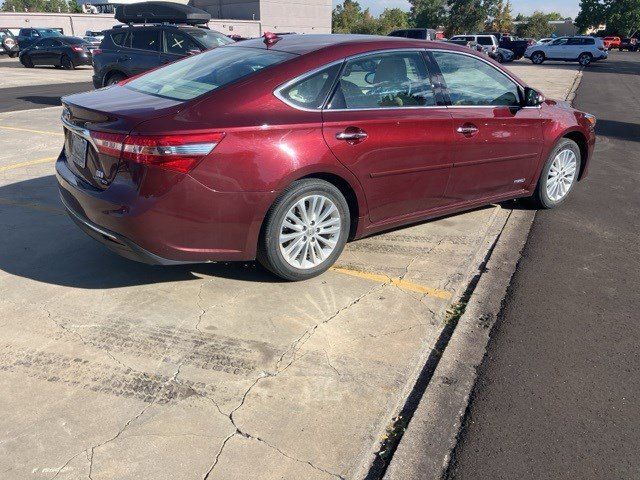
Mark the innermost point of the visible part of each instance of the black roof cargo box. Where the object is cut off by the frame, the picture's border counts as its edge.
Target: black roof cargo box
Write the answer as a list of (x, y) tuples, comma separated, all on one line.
[(161, 12)]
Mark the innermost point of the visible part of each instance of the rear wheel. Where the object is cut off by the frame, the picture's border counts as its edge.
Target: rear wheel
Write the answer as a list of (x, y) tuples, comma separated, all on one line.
[(499, 58), (66, 63), (26, 61), (585, 59), (114, 78), (559, 175), (538, 58), (305, 230)]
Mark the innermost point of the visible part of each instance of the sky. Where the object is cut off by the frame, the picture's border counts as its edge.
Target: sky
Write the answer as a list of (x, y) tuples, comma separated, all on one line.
[(568, 8)]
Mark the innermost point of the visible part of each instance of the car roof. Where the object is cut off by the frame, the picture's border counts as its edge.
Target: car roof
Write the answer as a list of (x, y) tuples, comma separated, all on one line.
[(303, 44)]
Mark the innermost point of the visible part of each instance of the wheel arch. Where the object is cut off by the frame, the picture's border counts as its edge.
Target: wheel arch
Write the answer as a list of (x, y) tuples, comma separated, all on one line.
[(112, 71), (582, 142)]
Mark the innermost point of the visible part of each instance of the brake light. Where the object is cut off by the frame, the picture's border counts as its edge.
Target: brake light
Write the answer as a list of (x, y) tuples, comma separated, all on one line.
[(108, 143), (174, 152), (77, 49), (96, 51)]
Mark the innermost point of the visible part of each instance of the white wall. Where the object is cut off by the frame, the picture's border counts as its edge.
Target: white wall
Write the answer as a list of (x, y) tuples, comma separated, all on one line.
[(300, 16)]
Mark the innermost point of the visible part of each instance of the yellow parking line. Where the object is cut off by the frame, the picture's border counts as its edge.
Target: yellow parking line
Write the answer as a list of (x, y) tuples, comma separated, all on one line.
[(30, 130), (27, 163), (398, 282), (32, 206)]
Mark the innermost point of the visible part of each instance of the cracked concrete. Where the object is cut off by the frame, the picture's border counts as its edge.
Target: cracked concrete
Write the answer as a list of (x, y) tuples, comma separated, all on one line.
[(115, 370)]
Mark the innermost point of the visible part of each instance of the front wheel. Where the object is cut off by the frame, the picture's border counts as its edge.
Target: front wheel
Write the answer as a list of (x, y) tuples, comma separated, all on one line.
[(559, 175), (585, 59), (538, 58), (66, 63), (26, 61), (499, 58), (305, 230)]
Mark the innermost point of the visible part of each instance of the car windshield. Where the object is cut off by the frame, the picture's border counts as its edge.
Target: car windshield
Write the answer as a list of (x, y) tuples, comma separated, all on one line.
[(206, 72), (49, 32), (209, 38)]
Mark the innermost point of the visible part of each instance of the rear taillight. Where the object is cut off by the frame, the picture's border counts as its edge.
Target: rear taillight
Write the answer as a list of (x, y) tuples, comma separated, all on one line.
[(77, 49), (96, 51), (174, 152)]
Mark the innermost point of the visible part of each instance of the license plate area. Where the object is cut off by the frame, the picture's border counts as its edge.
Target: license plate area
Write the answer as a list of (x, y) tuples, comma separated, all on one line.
[(77, 150)]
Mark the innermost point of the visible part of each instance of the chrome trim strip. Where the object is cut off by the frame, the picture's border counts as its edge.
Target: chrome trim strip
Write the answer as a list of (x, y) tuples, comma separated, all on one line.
[(88, 223), (83, 132)]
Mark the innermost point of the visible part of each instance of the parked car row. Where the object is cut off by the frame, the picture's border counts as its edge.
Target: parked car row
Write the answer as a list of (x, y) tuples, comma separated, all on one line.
[(582, 49)]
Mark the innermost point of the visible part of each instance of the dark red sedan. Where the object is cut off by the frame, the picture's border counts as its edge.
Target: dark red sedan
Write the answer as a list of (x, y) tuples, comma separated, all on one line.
[(283, 148)]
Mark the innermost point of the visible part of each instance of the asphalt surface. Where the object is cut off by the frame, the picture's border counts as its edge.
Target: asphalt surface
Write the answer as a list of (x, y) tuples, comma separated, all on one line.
[(557, 395), (38, 96)]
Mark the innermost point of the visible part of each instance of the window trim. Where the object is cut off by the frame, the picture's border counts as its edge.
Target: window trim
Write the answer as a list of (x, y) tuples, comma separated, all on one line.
[(278, 91)]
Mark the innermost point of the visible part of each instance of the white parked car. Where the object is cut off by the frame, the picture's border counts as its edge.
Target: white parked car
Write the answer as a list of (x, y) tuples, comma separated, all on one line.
[(489, 42), (544, 41), (583, 50)]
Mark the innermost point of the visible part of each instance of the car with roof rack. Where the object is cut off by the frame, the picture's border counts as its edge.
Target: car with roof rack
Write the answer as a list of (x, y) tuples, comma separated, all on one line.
[(152, 34)]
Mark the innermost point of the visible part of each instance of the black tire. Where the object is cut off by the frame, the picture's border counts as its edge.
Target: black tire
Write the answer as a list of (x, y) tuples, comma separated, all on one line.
[(269, 254), (66, 63), (113, 78), (538, 58), (13, 54), (585, 59), (499, 58), (57, 66), (540, 198), (26, 61)]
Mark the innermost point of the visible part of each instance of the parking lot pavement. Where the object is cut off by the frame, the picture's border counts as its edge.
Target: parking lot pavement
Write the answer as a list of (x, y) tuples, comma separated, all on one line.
[(556, 79), (119, 370), (14, 74)]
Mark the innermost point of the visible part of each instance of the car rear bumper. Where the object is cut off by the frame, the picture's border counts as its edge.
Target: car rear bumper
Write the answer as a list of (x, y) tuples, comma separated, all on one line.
[(180, 221)]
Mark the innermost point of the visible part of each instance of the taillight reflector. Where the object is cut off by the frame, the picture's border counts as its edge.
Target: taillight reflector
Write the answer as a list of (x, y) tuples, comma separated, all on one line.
[(108, 143)]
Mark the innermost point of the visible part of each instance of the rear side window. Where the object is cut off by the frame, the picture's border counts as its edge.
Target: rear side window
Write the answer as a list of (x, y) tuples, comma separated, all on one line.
[(312, 91), (178, 44), (146, 40), (417, 34), (388, 80), (204, 73), (118, 38), (399, 33), (485, 41), (472, 82)]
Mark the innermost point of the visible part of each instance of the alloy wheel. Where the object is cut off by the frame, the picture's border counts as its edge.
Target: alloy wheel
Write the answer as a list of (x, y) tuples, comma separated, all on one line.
[(562, 175), (310, 231)]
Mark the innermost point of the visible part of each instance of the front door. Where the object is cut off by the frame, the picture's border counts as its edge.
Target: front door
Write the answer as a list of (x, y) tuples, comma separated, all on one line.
[(385, 124), (558, 49), (145, 50), (498, 143)]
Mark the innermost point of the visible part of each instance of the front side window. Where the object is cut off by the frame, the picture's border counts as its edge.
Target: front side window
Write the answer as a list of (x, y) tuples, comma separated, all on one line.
[(200, 74), (485, 41), (560, 41), (312, 91), (472, 82), (209, 38), (389, 80), (145, 40)]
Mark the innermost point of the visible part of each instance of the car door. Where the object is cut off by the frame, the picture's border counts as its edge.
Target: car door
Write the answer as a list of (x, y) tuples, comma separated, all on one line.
[(176, 45), (387, 124), (558, 50), (40, 51), (54, 52), (144, 53), (498, 143)]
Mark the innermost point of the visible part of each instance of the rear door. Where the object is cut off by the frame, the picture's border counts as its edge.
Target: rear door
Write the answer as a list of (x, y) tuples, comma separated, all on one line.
[(386, 123), (497, 142), (145, 50)]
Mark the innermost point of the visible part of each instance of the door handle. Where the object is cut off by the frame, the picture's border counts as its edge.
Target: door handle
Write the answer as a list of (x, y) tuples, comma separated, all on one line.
[(468, 129), (352, 135)]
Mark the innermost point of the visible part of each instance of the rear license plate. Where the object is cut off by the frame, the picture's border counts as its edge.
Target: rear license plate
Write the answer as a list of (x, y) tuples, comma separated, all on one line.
[(78, 150)]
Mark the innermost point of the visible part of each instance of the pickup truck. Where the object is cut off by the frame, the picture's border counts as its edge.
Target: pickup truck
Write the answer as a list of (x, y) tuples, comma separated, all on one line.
[(630, 44), (612, 42)]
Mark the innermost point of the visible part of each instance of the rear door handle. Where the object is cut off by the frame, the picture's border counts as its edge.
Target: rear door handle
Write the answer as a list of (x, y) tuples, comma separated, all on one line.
[(468, 129), (352, 135)]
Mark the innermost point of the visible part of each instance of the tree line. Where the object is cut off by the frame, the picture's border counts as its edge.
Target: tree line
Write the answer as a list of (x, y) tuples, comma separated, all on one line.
[(621, 17), (47, 6), (456, 16)]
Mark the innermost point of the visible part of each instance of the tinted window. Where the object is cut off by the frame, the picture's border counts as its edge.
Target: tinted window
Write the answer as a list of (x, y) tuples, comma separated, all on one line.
[(485, 41), (118, 38), (560, 41), (312, 91), (418, 34), (471, 81), (178, 44), (399, 33), (589, 41), (49, 32), (389, 80), (466, 38), (145, 40), (200, 74), (209, 38)]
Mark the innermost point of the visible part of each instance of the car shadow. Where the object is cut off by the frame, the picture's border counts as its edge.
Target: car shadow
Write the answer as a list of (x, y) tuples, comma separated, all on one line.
[(52, 101), (620, 130), (40, 242)]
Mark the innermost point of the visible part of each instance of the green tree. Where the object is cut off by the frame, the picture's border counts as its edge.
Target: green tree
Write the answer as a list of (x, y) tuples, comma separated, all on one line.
[(347, 17), (368, 24), (537, 26), (592, 14), (428, 13), (466, 16), (39, 6), (392, 19), (623, 17), (502, 20)]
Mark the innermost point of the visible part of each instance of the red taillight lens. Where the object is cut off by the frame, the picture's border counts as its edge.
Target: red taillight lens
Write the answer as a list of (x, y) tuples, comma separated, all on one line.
[(77, 49), (175, 152), (96, 51), (108, 143)]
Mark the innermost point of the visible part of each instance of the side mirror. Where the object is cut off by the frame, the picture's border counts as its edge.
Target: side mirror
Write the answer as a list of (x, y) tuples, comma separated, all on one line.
[(533, 98)]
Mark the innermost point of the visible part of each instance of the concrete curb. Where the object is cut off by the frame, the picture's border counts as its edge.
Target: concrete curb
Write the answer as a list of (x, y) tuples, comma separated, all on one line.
[(425, 449)]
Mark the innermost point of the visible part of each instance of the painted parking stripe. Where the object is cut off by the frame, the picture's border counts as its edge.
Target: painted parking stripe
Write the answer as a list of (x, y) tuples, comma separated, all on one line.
[(30, 130), (398, 282), (27, 163)]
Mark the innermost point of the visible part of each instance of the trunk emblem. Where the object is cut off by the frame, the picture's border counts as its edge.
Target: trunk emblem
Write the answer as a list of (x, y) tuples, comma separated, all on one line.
[(99, 174)]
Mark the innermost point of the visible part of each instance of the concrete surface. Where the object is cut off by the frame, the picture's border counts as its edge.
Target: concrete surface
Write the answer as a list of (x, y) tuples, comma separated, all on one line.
[(425, 449), (118, 370), (14, 74), (557, 394)]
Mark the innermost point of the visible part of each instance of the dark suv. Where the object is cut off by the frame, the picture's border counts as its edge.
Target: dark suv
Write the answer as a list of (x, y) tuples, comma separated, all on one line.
[(129, 50)]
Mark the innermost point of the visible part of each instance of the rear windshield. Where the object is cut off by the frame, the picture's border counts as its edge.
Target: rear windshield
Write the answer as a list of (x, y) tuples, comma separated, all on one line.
[(210, 39), (206, 72)]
